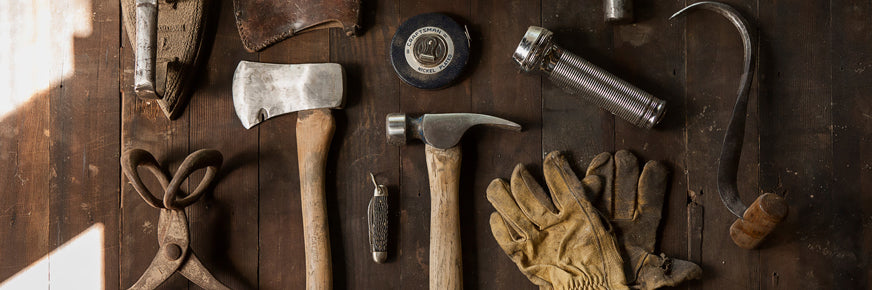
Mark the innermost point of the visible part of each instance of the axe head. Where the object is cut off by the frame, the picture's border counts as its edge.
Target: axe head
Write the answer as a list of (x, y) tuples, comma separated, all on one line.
[(264, 90)]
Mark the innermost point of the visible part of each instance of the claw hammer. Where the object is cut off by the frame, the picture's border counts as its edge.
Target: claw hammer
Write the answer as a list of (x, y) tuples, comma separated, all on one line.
[(441, 134)]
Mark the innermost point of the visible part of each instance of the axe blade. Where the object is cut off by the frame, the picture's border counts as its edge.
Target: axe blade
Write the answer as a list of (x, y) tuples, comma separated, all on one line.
[(265, 90)]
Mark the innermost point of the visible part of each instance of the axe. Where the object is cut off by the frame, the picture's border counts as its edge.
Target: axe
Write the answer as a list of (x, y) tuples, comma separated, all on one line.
[(262, 91)]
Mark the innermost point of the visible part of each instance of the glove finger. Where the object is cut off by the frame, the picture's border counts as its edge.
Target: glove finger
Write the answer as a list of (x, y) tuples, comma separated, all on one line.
[(652, 190), (532, 199), (506, 237), (661, 271), (626, 181), (603, 165), (593, 186), (499, 196), (565, 187)]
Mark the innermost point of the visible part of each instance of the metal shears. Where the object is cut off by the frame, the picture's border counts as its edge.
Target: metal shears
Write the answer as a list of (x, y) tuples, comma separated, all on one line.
[(175, 254)]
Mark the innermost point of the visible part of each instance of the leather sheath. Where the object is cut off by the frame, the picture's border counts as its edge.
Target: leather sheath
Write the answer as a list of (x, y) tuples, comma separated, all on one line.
[(262, 23), (180, 31)]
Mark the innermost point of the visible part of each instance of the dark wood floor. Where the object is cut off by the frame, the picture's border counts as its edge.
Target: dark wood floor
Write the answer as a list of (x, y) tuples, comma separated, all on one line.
[(809, 139)]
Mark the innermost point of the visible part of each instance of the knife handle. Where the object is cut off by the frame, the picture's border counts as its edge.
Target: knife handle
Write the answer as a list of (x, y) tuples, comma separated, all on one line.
[(377, 216)]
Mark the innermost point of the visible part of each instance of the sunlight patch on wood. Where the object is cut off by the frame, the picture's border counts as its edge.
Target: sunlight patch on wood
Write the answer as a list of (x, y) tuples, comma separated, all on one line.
[(37, 37), (77, 264)]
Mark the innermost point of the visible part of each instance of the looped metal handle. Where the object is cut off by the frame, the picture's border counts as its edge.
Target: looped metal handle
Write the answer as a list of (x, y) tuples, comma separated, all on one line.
[(134, 158), (173, 197), (204, 158)]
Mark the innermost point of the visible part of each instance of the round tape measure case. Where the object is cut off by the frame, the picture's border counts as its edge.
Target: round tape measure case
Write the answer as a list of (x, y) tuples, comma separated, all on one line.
[(429, 51)]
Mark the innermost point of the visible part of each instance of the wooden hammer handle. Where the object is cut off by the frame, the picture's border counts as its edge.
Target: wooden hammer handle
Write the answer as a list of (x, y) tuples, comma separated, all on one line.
[(443, 168), (767, 211), (314, 132)]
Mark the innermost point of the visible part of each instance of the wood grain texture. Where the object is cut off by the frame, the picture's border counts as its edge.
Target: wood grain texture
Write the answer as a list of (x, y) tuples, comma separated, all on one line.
[(84, 129), (500, 89), (798, 87), (24, 147), (443, 172), (360, 147), (223, 223), (760, 219), (314, 132), (852, 144)]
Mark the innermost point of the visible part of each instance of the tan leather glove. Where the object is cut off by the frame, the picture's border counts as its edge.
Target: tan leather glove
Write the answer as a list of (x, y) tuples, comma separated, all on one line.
[(633, 203), (562, 244)]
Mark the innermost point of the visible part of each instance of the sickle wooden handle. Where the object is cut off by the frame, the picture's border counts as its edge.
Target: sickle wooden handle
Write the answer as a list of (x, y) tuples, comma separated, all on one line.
[(759, 220), (314, 132), (443, 168)]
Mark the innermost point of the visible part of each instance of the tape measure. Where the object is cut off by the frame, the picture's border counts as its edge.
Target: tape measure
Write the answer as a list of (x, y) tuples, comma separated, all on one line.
[(429, 51)]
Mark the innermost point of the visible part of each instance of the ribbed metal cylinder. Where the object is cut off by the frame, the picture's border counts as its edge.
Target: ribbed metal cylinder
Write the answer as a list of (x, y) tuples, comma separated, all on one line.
[(607, 91)]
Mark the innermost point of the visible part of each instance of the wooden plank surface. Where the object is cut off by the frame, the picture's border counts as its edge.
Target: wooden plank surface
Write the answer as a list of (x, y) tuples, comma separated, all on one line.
[(799, 86), (85, 142), (714, 56), (224, 231), (500, 89), (25, 173), (808, 135), (852, 143), (359, 148)]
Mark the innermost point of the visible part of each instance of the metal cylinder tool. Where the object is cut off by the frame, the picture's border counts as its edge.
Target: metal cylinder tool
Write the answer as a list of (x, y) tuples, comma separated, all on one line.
[(538, 52), (618, 11), (146, 53)]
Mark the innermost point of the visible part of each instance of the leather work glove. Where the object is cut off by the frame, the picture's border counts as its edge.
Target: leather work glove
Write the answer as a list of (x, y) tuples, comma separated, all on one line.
[(633, 203), (564, 244)]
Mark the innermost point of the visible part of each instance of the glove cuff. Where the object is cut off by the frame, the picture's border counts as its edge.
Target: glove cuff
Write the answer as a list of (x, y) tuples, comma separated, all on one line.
[(589, 283)]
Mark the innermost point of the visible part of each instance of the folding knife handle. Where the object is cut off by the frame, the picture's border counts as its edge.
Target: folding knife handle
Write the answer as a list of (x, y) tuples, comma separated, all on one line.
[(377, 214)]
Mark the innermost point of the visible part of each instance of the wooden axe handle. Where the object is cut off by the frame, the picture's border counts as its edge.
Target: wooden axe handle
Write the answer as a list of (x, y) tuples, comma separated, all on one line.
[(759, 220), (443, 168), (314, 132)]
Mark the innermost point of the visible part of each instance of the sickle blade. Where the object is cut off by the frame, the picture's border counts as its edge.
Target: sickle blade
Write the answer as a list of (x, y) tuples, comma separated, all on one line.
[(731, 151)]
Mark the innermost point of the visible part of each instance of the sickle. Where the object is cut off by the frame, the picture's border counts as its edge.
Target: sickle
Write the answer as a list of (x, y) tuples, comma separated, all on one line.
[(769, 209)]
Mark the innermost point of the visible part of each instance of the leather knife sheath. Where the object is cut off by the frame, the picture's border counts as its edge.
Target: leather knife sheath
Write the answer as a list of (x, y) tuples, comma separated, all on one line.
[(262, 23), (180, 32)]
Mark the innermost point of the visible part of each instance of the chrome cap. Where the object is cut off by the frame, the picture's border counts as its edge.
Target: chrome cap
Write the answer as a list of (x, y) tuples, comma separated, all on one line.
[(395, 126), (529, 52)]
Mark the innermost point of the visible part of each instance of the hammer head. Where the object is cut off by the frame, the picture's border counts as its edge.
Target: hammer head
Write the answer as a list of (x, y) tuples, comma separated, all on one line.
[(264, 90), (442, 131)]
